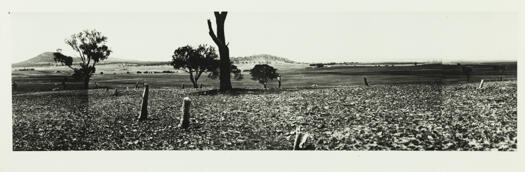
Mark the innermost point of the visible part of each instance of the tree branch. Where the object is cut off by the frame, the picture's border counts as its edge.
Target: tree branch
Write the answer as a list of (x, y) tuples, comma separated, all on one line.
[(191, 78), (199, 73), (89, 61), (212, 34)]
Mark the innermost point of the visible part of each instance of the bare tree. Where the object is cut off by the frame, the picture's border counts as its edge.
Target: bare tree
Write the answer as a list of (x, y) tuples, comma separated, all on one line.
[(224, 52)]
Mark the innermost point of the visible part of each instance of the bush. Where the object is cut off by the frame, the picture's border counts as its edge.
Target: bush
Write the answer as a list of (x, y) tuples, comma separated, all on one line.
[(139, 72), (102, 73)]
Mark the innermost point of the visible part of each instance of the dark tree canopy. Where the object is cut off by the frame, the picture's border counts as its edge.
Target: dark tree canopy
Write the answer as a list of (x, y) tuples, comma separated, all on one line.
[(263, 73), (63, 59), (197, 61), (91, 47)]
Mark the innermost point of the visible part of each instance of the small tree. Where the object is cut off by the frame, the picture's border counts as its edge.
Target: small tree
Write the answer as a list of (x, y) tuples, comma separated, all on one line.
[(263, 73), (91, 47), (198, 61)]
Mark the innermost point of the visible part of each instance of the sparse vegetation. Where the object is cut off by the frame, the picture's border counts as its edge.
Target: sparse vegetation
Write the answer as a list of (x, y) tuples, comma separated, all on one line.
[(380, 117)]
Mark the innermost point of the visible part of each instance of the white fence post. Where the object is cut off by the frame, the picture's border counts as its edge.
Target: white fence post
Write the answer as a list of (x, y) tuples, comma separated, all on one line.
[(481, 84)]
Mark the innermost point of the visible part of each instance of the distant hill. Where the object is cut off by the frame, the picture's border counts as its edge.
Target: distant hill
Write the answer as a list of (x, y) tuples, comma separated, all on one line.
[(260, 58), (42, 59), (47, 59)]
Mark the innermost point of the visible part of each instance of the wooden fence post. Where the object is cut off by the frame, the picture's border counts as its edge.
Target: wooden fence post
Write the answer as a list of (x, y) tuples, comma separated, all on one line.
[(185, 120), (64, 83), (279, 80), (366, 82), (481, 84), (144, 110)]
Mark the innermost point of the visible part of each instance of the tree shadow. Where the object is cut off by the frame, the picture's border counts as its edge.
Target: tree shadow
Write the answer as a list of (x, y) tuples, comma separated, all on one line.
[(242, 91)]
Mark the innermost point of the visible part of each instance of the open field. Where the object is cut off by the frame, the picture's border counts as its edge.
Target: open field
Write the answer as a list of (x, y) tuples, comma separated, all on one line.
[(293, 76), (379, 117), (404, 108)]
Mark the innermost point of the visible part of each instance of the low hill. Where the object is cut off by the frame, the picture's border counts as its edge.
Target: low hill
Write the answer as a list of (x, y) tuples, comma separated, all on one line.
[(261, 58), (43, 59), (47, 59)]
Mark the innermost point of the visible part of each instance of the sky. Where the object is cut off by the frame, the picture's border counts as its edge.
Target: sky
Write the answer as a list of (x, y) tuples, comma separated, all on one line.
[(299, 36)]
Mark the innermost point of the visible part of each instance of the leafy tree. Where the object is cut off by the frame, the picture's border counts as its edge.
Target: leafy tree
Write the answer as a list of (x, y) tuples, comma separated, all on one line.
[(263, 73), (195, 61), (91, 47), (198, 61)]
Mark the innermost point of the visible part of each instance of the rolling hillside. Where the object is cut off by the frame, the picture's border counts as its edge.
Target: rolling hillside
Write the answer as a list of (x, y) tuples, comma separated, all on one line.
[(46, 59), (261, 59)]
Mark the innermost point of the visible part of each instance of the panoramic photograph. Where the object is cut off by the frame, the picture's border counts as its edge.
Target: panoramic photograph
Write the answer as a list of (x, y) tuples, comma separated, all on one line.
[(227, 80)]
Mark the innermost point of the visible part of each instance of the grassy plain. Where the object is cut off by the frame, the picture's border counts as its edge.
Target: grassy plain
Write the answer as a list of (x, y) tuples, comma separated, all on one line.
[(404, 108)]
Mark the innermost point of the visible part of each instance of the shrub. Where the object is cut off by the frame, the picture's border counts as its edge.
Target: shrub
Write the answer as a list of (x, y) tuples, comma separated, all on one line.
[(263, 73)]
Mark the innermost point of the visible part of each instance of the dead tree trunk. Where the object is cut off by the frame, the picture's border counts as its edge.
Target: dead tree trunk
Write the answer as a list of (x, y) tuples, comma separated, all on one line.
[(224, 52)]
